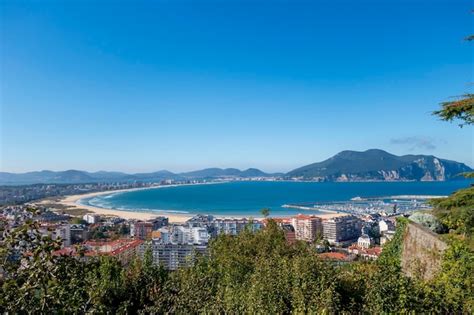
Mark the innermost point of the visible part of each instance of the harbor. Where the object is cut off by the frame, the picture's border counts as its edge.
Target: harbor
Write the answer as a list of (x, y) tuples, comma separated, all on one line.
[(385, 205)]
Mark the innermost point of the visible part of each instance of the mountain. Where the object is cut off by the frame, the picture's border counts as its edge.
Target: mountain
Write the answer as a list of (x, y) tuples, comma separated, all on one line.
[(155, 176), (75, 176), (70, 176), (107, 175), (378, 165), (227, 172), (370, 165), (212, 172)]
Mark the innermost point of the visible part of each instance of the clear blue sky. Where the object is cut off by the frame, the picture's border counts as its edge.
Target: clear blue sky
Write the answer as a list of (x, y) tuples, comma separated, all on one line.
[(181, 85)]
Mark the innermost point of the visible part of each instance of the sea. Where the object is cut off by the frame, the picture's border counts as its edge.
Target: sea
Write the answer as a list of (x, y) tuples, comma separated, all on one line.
[(247, 198)]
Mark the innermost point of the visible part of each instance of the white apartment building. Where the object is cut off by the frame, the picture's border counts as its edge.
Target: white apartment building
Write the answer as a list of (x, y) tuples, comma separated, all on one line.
[(182, 235), (234, 226), (91, 218), (385, 225), (307, 227), (173, 256), (340, 230)]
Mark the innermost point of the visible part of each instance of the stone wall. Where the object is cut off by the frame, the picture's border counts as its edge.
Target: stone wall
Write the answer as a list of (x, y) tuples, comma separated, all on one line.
[(422, 252)]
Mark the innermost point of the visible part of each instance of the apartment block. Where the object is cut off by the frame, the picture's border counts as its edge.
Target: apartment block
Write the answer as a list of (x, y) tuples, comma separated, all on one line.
[(307, 227), (340, 230), (173, 256)]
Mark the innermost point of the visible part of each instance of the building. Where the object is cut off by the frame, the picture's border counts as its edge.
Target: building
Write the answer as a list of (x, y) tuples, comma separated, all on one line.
[(173, 256), (56, 232), (387, 230), (386, 225), (179, 234), (50, 216), (307, 227), (68, 233), (91, 218), (337, 258), (163, 235), (159, 222), (112, 221), (387, 236), (200, 235), (342, 230), (79, 233), (141, 230), (200, 220), (364, 241), (123, 249), (189, 235), (365, 253), (234, 226), (290, 234)]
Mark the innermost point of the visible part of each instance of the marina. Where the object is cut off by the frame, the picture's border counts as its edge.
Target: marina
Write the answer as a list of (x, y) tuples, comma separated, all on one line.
[(371, 205)]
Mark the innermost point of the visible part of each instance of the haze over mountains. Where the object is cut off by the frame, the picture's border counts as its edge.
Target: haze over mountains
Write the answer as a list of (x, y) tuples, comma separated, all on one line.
[(370, 165)]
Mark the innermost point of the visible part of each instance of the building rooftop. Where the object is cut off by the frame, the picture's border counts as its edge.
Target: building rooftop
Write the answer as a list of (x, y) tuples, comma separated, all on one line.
[(334, 256), (305, 217)]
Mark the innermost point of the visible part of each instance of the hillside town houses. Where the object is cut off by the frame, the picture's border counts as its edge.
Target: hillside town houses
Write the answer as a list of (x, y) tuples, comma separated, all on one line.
[(342, 238)]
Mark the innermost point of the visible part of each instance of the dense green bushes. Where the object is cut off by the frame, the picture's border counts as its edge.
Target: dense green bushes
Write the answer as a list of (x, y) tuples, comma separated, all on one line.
[(249, 273), (457, 212)]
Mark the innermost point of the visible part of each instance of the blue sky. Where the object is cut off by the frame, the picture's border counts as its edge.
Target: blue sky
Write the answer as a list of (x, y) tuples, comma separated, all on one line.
[(181, 85)]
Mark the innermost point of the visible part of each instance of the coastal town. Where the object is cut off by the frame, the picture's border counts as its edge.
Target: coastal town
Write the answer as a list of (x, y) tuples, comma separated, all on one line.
[(176, 241), (236, 157)]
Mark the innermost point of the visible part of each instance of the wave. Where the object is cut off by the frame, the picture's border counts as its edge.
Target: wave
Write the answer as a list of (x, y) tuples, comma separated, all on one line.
[(99, 202)]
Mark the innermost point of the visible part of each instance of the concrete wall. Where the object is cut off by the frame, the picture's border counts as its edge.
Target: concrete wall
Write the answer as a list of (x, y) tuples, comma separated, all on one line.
[(422, 252)]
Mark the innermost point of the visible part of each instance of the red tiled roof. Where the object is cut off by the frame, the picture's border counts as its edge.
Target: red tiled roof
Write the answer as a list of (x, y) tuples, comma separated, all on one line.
[(305, 217), (107, 243), (66, 251), (121, 249), (333, 256), (118, 246), (374, 251), (277, 220)]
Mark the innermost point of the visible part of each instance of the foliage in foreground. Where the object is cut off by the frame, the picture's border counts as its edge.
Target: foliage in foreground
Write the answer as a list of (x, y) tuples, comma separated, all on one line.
[(250, 273), (456, 212), (461, 109)]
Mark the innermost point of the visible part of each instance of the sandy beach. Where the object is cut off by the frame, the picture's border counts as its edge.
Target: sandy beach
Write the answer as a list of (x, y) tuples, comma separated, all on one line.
[(73, 202)]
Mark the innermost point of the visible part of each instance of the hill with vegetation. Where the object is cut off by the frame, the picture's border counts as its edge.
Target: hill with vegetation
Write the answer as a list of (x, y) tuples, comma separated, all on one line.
[(377, 164)]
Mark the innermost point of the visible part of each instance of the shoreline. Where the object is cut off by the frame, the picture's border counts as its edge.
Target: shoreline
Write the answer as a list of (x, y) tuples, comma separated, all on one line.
[(73, 201)]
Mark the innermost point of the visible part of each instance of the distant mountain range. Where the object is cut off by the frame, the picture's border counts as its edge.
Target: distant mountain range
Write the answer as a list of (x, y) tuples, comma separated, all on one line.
[(77, 177), (370, 165), (378, 165)]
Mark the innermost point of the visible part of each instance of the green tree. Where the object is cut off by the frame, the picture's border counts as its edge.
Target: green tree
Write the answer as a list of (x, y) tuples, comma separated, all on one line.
[(36, 279), (461, 109), (265, 212)]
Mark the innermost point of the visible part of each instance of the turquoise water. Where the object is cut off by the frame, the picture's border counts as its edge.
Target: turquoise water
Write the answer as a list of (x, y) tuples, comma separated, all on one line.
[(248, 198)]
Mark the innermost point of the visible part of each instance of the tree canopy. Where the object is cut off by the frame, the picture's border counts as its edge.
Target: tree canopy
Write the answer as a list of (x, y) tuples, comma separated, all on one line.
[(461, 109), (253, 272)]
